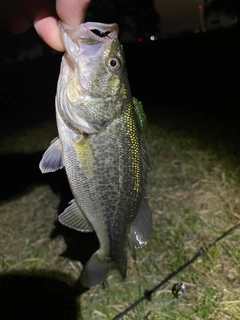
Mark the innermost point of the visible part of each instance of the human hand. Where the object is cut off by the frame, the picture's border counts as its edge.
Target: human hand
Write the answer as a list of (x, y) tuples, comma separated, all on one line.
[(18, 16)]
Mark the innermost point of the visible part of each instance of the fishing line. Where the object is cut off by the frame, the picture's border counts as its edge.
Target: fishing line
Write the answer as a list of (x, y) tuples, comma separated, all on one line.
[(148, 294)]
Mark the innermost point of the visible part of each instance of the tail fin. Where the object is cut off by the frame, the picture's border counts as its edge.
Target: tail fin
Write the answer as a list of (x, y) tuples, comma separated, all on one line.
[(95, 270)]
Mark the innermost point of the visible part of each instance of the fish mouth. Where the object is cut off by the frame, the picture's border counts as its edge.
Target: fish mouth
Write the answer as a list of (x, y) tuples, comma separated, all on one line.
[(91, 32), (101, 34), (103, 30)]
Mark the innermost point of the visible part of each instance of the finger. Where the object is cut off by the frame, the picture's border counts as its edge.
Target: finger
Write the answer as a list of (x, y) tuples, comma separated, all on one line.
[(47, 28), (43, 16), (72, 12)]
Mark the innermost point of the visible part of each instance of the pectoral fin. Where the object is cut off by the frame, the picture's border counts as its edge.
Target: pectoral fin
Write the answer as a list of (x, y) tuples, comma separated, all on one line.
[(52, 158), (141, 227), (73, 217), (85, 153)]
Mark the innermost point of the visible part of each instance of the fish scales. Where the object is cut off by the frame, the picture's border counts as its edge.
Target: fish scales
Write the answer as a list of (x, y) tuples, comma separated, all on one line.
[(117, 205), (100, 147)]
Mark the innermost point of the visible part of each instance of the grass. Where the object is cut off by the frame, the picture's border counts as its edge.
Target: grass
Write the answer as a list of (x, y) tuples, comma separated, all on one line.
[(193, 190)]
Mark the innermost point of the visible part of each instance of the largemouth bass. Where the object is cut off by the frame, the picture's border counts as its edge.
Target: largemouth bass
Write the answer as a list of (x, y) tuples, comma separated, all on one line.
[(99, 145)]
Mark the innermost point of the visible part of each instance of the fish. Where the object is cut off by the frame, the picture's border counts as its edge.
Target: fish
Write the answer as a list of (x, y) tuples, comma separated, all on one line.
[(100, 146)]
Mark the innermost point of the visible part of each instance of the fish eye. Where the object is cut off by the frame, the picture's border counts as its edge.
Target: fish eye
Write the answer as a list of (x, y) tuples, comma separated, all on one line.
[(114, 63)]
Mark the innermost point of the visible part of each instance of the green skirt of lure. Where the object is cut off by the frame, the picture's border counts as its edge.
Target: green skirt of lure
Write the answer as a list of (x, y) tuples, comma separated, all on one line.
[(140, 115)]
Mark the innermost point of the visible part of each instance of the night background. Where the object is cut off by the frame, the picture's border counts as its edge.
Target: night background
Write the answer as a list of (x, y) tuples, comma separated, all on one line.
[(183, 62), (192, 64)]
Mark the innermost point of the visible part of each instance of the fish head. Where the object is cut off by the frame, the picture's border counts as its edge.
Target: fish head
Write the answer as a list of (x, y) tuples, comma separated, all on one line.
[(94, 72)]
